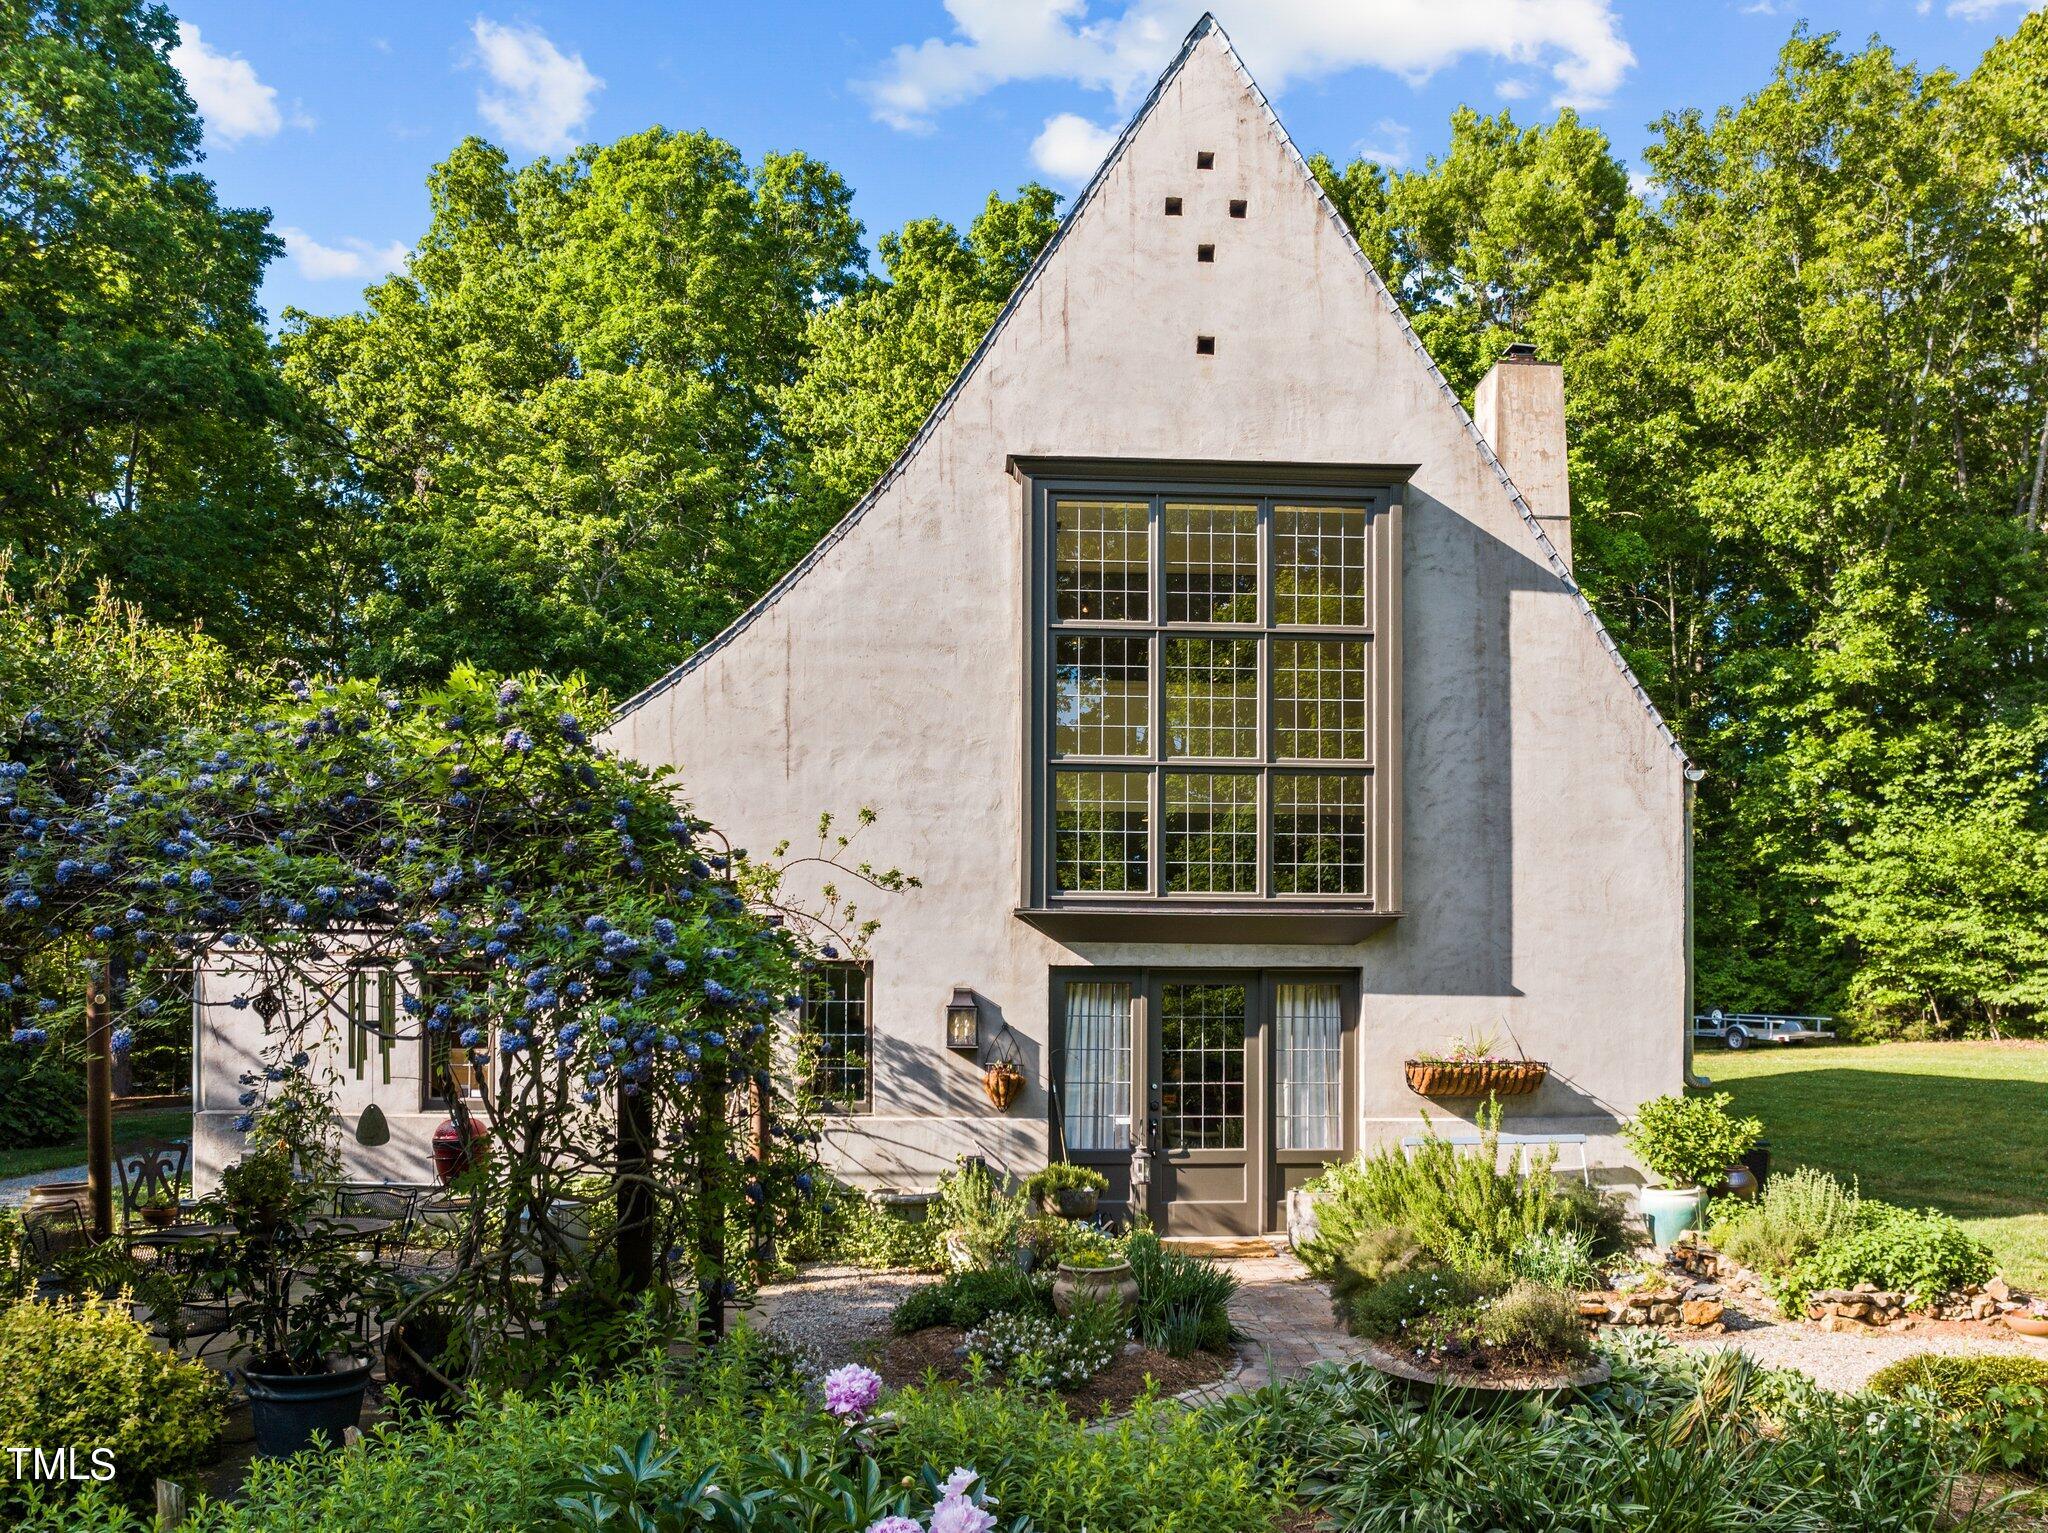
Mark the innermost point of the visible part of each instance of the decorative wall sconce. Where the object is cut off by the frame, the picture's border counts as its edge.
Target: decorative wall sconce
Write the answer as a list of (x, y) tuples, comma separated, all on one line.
[(963, 1021)]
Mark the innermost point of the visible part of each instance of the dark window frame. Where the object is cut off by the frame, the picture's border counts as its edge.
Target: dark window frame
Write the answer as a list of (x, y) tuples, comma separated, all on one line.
[(1157, 912), (439, 1045), (836, 1105)]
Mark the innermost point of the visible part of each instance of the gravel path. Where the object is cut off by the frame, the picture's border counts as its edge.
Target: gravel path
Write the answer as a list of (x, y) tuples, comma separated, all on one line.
[(1845, 1360), (833, 1315)]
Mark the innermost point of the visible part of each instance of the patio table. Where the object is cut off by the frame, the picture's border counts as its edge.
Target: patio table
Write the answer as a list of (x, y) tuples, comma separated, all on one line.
[(173, 1236)]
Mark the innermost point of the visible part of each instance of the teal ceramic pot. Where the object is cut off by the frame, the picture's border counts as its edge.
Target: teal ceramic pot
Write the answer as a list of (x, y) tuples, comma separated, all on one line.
[(1670, 1212)]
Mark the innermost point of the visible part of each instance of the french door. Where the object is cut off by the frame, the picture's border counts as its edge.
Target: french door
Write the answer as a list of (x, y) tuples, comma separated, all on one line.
[(1235, 1084)]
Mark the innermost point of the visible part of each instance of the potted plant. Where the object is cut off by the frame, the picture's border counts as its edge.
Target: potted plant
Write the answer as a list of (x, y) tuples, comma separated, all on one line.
[(1688, 1143), (1104, 1272), (1003, 1082), (288, 1296), (158, 1208), (1071, 1191), (1471, 1068), (2031, 1321)]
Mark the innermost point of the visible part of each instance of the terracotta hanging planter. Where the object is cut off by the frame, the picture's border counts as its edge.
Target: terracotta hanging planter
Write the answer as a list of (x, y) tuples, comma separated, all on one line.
[(1475, 1077), (1004, 1083)]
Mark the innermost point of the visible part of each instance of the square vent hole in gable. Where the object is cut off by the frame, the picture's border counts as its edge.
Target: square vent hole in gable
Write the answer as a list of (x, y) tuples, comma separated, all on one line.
[(1205, 345), (1237, 207), (1205, 159), (1205, 253), (1173, 207)]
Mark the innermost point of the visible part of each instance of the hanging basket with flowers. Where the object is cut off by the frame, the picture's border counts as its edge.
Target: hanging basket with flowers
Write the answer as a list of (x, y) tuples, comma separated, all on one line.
[(1472, 1069)]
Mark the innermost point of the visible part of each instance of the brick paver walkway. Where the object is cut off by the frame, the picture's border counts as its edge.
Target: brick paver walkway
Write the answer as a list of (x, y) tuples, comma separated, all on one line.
[(1285, 1324)]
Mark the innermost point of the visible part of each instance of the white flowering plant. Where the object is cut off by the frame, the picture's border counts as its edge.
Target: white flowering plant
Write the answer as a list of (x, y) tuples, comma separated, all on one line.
[(1041, 1352)]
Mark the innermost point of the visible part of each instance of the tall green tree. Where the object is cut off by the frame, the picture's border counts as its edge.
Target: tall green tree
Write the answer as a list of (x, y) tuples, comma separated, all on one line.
[(1806, 387), (1481, 241), (560, 421), (881, 360), (142, 421)]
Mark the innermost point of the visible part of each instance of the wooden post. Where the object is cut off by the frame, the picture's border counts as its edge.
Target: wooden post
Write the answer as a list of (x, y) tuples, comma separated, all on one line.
[(764, 1223), (170, 1504), (99, 1103), (635, 1197), (714, 1131)]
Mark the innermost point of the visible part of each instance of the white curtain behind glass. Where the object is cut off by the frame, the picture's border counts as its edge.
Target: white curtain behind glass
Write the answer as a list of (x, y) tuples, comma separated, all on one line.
[(1308, 1068), (1096, 1094)]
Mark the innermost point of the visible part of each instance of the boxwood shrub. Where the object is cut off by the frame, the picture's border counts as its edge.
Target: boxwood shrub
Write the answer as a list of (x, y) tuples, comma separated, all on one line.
[(86, 1376)]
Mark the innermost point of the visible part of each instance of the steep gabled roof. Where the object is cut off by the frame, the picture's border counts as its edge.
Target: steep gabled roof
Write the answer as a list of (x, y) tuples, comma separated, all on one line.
[(1202, 29)]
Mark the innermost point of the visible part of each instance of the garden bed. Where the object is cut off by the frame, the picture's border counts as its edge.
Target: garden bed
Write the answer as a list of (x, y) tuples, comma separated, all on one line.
[(940, 1352), (1492, 1380)]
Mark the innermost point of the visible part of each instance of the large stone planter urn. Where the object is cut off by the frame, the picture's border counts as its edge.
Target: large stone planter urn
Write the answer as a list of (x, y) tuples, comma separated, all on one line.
[(1116, 1281)]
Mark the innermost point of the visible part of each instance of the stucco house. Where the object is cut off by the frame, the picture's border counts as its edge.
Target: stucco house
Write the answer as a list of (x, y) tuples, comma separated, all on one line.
[(1226, 685)]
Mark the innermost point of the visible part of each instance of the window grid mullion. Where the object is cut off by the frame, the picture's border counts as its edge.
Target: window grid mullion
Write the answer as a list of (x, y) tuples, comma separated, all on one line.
[(1157, 761)]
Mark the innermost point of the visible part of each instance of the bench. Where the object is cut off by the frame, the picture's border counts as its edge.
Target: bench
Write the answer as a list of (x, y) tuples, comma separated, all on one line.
[(1560, 1142)]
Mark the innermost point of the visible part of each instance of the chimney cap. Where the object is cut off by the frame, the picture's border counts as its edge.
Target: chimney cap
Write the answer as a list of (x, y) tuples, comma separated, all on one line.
[(1519, 351)]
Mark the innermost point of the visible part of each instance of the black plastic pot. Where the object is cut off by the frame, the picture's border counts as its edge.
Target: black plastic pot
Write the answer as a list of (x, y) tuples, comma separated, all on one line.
[(1759, 1161), (413, 1357), (289, 1409)]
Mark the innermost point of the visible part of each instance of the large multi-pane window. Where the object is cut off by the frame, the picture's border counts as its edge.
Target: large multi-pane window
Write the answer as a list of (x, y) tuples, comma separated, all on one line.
[(837, 1030), (1209, 694)]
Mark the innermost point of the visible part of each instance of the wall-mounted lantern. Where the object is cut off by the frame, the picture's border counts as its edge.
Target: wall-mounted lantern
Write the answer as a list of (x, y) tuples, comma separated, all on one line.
[(963, 1021)]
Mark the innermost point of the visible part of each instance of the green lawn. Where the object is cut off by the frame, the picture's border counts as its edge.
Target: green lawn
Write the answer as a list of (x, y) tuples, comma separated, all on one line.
[(1962, 1127), (167, 1123)]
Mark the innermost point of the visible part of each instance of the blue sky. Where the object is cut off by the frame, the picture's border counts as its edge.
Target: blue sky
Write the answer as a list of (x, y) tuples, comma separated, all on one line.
[(330, 114)]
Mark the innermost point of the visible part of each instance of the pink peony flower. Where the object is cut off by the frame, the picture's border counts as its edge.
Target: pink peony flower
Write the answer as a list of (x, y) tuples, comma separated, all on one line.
[(956, 1514), (958, 1484), (852, 1391), (895, 1525)]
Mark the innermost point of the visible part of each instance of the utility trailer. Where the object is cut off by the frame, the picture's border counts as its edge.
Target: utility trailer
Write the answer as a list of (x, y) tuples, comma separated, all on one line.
[(1739, 1029)]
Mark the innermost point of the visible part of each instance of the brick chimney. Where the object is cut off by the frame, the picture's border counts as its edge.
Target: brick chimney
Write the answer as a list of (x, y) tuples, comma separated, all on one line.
[(1520, 410)]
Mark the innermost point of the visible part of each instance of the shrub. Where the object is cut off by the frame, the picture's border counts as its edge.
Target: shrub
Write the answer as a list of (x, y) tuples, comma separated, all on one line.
[(1684, 1447), (87, 1376), (1064, 1176), (844, 1224), (1462, 1208), (1183, 1301), (2001, 1402), (1371, 1259), (1386, 1309), (41, 1099), (988, 1221), (1690, 1141), (1160, 1469), (1918, 1252), (1555, 1259), (1601, 1219), (966, 1299), (1041, 1351), (1796, 1213), (1959, 1382), (1532, 1326)]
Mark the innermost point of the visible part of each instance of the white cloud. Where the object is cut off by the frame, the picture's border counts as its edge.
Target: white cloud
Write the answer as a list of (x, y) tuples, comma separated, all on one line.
[(351, 258), (1388, 145), (1069, 147), (235, 104), (1987, 10), (1641, 182), (1578, 42), (542, 95), (1512, 90)]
